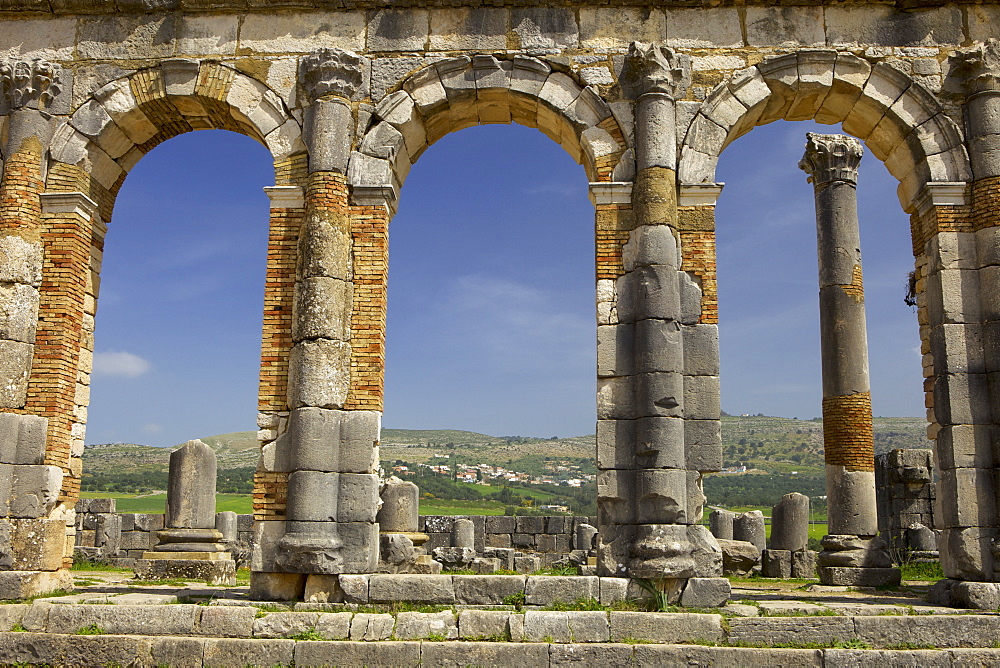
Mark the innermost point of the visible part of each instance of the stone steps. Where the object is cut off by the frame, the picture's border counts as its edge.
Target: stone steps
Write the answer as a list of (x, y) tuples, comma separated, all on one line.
[(133, 650)]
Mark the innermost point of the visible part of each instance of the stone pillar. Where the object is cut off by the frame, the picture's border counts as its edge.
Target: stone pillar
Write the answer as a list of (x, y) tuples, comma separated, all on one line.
[(852, 552), (189, 544), (329, 450), (749, 527), (36, 519), (721, 524), (657, 367), (790, 523), (962, 322)]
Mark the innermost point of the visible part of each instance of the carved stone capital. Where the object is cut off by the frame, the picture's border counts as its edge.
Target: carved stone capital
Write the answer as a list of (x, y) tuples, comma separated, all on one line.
[(654, 68), (333, 72), (28, 83), (979, 67), (831, 158)]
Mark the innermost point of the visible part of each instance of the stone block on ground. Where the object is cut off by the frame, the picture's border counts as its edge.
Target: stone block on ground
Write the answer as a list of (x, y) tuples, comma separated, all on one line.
[(227, 621), (667, 627), (776, 563), (369, 626), (565, 627), (739, 557), (216, 572), (350, 653), (478, 624), (859, 577), (548, 589), (487, 590), (248, 652), (706, 593), (424, 625), (416, 588)]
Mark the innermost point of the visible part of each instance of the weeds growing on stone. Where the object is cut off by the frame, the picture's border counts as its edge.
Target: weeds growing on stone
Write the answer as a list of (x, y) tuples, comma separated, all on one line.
[(922, 570), (308, 635), (516, 600), (910, 645), (557, 570), (577, 605), (91, 630), (436, 637), (97, 565), (853, 643), (18, 627), (402, 606)]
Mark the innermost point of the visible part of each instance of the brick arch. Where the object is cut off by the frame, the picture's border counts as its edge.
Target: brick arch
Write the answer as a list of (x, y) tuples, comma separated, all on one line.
[(461, 92), (900, 122), (119, 123)]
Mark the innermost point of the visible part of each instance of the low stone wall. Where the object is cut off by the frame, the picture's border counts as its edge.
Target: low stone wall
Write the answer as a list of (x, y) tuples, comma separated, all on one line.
[(120, 538), (905, 492), (544, 535)]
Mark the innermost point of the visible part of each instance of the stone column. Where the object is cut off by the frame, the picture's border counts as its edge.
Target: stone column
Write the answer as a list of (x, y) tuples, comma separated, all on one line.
[(852, 552), (189, 545), (650, 498), (36, 525), (329, 450)]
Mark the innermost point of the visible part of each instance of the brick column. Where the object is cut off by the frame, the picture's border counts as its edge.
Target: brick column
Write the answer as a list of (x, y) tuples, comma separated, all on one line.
[(328, 451), (657, 369), (42, 266), (852, 552)]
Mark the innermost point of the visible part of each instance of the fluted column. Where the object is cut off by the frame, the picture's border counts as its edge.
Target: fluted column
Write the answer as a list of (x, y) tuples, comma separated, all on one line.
[(852, 553)]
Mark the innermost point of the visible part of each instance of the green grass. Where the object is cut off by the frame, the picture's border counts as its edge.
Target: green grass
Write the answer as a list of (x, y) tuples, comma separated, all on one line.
[(457, 507), (241, 504), (919, 570)]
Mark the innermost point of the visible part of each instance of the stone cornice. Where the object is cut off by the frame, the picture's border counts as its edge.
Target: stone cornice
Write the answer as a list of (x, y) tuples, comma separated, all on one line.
[(285, 197)]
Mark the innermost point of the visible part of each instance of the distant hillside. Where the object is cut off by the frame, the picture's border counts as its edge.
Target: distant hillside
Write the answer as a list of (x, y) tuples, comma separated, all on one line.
[(762, 444)]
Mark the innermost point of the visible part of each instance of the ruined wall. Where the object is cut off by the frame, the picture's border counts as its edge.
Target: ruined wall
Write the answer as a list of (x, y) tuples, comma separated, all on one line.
[(347, 98)]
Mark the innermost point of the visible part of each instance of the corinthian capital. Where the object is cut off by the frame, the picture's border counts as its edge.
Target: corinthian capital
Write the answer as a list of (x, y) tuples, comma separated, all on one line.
[(980, 67), (332, 72), (654, 68), (831, 158), (28, 83)]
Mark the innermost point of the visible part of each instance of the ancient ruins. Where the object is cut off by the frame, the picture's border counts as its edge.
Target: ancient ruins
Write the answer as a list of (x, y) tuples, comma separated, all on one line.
[(645, 96)]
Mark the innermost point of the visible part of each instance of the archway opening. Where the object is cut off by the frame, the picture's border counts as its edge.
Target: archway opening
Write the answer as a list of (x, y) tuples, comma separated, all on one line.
[(490, 325), (178, 328), (769, 318)]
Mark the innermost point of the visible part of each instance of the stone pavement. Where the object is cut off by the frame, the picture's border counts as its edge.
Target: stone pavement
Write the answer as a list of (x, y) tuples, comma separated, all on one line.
[(110, 620)]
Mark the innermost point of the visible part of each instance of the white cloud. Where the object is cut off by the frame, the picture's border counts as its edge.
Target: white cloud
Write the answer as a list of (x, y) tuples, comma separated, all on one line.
[(120, 364)]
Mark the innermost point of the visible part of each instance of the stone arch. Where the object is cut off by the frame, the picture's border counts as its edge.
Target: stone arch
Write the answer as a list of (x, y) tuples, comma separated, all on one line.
[(901, 123), (461, 92), (120, 122)]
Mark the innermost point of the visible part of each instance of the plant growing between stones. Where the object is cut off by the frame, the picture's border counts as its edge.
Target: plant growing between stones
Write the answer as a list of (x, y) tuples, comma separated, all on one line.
[(516, 600), (853, 643), (660, 599), (311, 634), (18, 627), (90, 630)]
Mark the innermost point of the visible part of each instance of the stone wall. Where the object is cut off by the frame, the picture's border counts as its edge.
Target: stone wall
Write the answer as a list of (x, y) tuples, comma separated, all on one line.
[(553, 534), (906, 493)]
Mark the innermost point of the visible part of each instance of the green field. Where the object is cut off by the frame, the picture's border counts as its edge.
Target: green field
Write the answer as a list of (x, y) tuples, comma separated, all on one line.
[(155, 503)]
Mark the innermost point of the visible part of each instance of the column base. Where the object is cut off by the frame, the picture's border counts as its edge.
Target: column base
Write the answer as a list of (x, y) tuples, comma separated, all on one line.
[(16, 585), (214, 571), (845, 576)]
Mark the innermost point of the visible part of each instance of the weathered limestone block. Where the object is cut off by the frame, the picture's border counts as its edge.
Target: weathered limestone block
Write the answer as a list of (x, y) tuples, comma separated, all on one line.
[(749, 527), (327, 548), (191, 487), (32, 544), (18, 312), (854, 552), (322, 308), (220, 572), (22, 438), (701, 350), (659, 551), (319, 373), (325, 133), (399, 511), (721, 523), (648, 292), (20, 261), (669, 496), (790, 523), (658, 346), (34, 490), (650, 245), (659, 443), (776, 563), (454, 558), (706, 592), (659, 394), (15, 366), (614, 350), (739, 557)]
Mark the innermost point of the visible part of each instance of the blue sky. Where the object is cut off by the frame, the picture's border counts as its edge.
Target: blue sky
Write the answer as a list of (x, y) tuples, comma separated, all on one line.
[(491, 289)]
